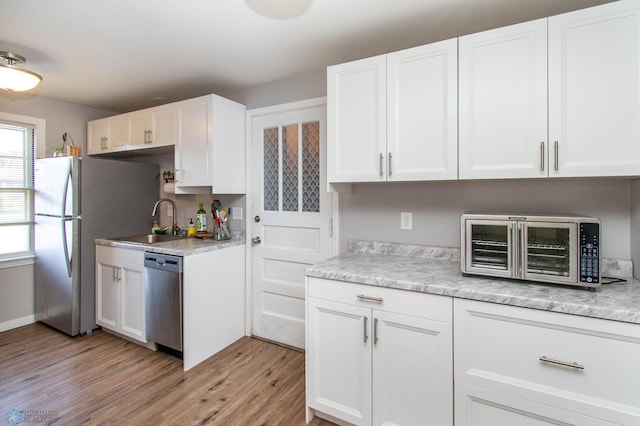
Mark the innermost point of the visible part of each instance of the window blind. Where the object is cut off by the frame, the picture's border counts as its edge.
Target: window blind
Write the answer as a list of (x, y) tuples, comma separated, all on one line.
[(16, 174)]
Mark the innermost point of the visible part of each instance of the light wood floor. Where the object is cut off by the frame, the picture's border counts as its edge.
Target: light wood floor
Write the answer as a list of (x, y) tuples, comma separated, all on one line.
[(101, 379)]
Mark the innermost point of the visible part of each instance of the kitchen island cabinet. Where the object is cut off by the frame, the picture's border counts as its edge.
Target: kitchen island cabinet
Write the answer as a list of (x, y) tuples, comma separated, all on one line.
[(378, 356), (213, 291), (394, 117), (120, 291)]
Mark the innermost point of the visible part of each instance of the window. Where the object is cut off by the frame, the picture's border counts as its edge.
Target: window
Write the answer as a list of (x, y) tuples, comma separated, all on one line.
[(17, 151)]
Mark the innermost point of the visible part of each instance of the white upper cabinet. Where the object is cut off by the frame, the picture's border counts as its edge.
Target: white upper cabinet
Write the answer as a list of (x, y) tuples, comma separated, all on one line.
[(107, 135), (394, 117), (422, 108), (152, 127), (356, 120), (503, 102), (594, 91), (210, 149)]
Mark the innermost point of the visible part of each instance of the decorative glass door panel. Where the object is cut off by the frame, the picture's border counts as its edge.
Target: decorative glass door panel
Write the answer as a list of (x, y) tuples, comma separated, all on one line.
[(490, 247), (547, 251), (292, 168)]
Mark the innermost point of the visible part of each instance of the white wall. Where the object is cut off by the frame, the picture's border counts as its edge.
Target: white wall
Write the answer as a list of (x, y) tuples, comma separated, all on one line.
[(17, 283), (372, 211)]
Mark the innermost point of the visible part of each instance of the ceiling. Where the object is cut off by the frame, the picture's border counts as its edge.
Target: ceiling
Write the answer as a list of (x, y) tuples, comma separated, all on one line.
[(119, 55)]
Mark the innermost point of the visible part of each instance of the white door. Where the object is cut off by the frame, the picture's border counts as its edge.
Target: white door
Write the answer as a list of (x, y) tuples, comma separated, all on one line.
[(291, 218)]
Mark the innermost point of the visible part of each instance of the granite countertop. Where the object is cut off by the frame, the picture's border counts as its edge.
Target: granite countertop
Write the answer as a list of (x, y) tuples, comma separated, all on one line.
[(181, 247), (437, 271)]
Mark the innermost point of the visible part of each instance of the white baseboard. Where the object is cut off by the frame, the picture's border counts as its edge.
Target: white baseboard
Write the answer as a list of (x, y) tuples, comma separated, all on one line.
[(17, 322)]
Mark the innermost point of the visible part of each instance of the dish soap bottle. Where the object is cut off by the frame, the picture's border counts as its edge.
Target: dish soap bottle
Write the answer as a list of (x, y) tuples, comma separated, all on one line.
[(191, 228), (201, 220)]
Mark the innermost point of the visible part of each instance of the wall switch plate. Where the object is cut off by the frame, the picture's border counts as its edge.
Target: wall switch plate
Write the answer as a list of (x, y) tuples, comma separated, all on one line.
[(169, 211), (236, 213), (406, 221)]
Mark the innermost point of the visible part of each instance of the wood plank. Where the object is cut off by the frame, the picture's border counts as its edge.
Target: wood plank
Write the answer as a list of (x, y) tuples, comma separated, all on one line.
[(101, 379)]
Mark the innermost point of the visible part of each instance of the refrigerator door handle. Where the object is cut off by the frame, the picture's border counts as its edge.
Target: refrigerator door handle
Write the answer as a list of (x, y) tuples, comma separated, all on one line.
[(65, 244), (65, 191)]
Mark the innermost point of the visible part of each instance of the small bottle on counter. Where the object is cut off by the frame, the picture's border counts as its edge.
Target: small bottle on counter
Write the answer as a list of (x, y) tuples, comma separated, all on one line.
[(191, 228), (155, 226), (201, 220)]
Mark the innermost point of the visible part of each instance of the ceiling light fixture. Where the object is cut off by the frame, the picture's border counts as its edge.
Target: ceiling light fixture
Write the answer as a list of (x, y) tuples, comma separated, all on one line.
[(13, 79), (279, 9)]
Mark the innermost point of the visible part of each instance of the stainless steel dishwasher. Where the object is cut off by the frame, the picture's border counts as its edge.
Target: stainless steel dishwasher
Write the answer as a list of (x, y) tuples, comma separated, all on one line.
[(163, 299)]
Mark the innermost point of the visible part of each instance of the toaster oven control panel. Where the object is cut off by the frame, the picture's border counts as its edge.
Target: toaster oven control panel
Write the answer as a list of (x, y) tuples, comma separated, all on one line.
[(589, 252)]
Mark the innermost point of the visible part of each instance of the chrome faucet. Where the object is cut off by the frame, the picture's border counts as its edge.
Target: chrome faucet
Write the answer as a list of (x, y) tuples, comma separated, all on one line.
[(175, 229)]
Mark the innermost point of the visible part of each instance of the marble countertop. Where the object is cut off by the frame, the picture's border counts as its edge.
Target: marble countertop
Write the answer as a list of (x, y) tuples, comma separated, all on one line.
[(181, 247), (437, 271)]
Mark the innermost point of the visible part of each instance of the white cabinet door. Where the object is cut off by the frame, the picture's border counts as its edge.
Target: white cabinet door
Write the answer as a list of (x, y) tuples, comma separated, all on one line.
[(503, 102), (192, 149), (594, 91), (106, 293), (339, 360), (412, 370), (132, 317), (422, 113), (356, 121), (96, 134), (139, 127), (152, 127)]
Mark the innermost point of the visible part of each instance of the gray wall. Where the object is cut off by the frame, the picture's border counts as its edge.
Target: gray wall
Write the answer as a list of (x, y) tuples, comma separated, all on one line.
[(17, 283), (372, 211)]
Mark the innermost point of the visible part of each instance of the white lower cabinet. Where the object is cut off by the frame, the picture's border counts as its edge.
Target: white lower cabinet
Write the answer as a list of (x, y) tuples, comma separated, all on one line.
[(120, 291), (378, 355), (518, 366)]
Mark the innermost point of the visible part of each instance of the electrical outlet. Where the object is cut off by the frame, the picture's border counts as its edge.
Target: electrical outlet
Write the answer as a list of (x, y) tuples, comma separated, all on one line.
[(406, 221), (236, 213), (169, 211)]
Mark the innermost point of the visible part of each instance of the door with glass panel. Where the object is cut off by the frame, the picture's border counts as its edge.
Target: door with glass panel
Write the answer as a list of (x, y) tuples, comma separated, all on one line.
[(547, 252), (291, 218)]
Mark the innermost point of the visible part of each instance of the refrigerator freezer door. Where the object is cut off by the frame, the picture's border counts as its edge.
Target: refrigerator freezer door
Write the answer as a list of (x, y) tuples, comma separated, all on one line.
[(57, 274), (57, 186)]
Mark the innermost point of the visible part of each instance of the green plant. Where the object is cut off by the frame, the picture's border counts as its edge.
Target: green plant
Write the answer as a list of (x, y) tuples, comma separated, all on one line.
[(61, 149)]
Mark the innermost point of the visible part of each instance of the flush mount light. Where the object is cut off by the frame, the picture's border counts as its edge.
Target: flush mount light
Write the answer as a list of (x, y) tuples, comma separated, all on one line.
[(279, 9), (14, 79)]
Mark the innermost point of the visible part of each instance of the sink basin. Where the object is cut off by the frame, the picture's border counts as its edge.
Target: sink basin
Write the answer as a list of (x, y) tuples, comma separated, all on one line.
[(148, 238)]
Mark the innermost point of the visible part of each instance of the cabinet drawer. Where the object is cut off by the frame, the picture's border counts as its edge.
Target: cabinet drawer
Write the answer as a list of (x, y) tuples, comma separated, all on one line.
[(500, 347), (406, 302), (119, 254)]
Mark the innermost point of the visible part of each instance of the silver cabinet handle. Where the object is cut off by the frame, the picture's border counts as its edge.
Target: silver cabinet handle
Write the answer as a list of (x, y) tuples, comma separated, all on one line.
[(375, 331), (256, 240), (370, 298), (389, 165), (542, 156), (366, 336), (381, 157), (555, 156), (147, 136), (574, 364)]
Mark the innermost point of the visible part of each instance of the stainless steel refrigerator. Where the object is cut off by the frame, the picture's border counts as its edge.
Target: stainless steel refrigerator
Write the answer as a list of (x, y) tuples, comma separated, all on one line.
[(76, 201)]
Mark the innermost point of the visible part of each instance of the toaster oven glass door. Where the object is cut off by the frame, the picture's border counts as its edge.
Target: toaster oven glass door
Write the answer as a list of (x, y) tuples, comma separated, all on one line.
[(547, 253), (489, 247)]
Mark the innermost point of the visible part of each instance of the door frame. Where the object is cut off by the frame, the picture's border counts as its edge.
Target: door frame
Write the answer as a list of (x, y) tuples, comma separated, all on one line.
[(250, 115)]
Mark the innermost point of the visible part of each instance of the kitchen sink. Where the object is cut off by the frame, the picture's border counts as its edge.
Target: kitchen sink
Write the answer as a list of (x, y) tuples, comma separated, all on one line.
[(148, 238)]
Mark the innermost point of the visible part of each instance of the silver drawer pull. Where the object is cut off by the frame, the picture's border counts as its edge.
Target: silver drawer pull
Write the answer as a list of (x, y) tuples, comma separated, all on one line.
[(369, 298), (575, 365)]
